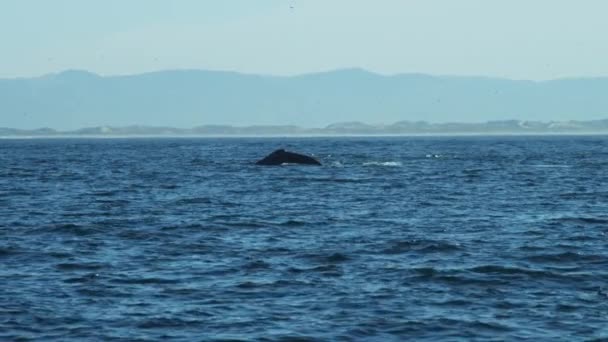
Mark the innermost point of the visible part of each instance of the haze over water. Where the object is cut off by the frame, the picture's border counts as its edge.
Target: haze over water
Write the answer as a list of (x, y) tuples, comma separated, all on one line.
[(473, 238)]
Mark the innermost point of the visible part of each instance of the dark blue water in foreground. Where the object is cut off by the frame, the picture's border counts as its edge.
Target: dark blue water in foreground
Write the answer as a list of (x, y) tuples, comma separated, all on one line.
[(473, 238)]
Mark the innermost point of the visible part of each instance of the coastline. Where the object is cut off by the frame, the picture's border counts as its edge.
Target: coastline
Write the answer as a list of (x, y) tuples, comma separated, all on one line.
[(290, 136)]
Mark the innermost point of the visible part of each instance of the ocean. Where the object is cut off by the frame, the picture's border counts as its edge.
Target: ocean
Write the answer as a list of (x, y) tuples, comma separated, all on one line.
[(392, 239)]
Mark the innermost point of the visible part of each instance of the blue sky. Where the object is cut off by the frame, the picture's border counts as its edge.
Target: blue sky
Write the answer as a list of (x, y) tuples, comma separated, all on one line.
[(520, 39)]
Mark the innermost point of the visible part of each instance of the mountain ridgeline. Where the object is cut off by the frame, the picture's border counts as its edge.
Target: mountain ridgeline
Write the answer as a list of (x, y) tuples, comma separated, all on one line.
[(192, 98)]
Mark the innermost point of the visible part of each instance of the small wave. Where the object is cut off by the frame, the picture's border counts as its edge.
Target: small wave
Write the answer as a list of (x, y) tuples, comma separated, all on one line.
[(163, 323), (248, 285), (489, 326), (531, 248), (108, 203), (145, 281), (582, 237), (109, 193), (189, 227), (69, 228), (440, 248), (566, 308), (79, 266), (550, 166), (257, 265), (582, 220), (497, 269), (583, 195), (473, 171), (180, 291), (454, 302), (78, 214), (425, 246), (337, 258), (293, 223), (82, 279), (103, 292), (274, 284), (290, 338), (295, 270), (456, 277), (566, 257), (245, 224), (8, 251), (518, 271), (193, 200), (334, 180), (425, 271), (327, 270), (388, 163), (333, 258), (169, 186)]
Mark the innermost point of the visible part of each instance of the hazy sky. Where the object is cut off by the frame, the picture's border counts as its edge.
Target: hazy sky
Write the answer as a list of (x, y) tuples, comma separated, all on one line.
[(522, 39)]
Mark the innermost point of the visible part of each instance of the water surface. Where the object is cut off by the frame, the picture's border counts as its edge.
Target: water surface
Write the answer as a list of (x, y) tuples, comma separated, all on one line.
[(438, 238)]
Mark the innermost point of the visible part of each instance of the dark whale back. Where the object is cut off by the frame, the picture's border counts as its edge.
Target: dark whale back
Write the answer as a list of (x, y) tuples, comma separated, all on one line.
[(281, 156)]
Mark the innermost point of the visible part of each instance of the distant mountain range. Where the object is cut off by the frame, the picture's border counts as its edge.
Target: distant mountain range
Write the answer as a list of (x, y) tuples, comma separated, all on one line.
[(345, 128), (190, 98)]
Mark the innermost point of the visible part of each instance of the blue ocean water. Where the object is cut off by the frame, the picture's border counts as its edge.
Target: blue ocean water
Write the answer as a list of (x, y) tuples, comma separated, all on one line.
[(409, 238)]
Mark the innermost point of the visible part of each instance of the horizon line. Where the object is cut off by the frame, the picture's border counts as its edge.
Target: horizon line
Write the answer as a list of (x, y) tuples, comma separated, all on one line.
[(301, 74), (326, 127)]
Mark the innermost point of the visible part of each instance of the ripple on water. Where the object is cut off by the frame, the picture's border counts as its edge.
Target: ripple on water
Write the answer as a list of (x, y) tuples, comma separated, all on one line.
[(582, 220), (68, 229), (421, 246), (257, 265), (10, 251), (568, 257), (184, 239)]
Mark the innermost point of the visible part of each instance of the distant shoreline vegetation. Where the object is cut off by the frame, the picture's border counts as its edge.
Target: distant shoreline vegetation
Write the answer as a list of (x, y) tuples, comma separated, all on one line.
[(507, 127)]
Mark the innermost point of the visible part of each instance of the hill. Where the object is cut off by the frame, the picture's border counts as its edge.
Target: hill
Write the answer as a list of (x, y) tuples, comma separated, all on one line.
[(190, 98)]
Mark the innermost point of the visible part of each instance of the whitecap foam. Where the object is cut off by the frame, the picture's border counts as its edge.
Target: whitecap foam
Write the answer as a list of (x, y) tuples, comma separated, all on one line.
[(388, 163)]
